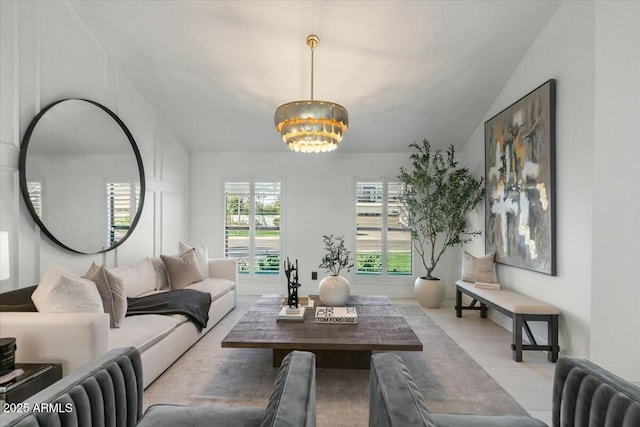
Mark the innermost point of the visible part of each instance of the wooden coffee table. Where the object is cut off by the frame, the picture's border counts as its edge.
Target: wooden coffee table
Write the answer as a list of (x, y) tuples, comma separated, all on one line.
[(380, 327)]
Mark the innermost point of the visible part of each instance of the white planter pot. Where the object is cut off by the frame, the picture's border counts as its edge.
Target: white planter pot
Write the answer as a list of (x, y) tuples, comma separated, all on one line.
[(430, 293), (334, 291)]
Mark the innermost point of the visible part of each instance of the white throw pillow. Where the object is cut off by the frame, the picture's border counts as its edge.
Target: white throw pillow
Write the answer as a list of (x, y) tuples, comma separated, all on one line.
[(61, 291), (137, 279), (202, 256)]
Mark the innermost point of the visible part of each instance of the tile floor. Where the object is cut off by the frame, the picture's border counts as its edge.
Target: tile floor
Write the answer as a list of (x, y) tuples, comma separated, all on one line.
[(529, 382)]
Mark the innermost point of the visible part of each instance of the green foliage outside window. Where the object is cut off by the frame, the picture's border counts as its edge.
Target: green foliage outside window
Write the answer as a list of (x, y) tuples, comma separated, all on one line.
[(268, 265), (398, 263)]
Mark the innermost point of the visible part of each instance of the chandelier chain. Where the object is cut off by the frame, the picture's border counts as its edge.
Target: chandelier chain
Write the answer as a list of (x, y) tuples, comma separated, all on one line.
[(312, 49)]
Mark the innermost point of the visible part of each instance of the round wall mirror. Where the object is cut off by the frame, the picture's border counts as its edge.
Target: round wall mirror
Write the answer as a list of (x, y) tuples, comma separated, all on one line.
[(81, 176)]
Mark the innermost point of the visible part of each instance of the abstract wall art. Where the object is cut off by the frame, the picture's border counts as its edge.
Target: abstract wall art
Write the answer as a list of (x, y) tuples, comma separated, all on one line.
[(520, 182)]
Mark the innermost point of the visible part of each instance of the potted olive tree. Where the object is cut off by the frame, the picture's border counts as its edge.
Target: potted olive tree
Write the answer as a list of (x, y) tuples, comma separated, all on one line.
[(334, 289), (436, 196)]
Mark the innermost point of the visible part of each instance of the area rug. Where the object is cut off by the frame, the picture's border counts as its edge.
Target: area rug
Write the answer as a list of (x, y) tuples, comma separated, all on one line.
[(449, 379)]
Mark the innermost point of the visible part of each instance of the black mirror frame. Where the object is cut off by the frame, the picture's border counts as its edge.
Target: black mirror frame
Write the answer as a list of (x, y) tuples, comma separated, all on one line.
[(23, 175)]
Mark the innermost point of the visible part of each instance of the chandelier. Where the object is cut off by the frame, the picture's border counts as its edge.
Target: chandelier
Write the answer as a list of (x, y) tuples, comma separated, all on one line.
[(311, 126)]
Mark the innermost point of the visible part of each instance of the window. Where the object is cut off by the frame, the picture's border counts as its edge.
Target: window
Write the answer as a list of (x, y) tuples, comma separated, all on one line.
[(34, 188), (252, 225), (122, 203), (383, 243)]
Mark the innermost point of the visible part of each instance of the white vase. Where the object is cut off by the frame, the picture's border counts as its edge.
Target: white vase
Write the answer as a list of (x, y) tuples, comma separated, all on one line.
[(334, 291), (430, 293)]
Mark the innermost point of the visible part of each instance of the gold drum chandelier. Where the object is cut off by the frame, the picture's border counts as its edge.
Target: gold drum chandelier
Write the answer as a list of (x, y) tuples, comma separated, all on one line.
[(311, 126)]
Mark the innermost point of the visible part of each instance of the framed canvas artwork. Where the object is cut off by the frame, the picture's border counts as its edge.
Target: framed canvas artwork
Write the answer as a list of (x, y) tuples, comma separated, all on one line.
[(520, 182)]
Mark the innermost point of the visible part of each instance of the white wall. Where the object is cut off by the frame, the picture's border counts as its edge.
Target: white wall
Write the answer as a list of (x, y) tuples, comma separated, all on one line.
[(615, 324), (318, 198), (47, 54), (586, 47), (564, 51)]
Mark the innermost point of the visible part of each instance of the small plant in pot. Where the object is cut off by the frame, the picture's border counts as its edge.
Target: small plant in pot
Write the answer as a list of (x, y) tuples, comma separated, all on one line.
[(334, 289), (436, 196)]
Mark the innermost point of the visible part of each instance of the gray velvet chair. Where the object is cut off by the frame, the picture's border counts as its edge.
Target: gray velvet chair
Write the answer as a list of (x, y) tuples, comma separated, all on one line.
[(395, 401), (108, 392), (583, 395)]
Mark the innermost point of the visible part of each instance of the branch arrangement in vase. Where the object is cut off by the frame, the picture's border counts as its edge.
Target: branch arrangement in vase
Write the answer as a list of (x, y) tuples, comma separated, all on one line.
[(337, 257), (436, 196)]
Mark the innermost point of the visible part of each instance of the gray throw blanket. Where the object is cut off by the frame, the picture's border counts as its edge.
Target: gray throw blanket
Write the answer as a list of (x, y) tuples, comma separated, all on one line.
[(194, 304)]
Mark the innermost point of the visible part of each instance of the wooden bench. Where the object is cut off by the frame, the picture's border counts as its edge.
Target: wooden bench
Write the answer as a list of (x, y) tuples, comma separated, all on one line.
[(520, 309)]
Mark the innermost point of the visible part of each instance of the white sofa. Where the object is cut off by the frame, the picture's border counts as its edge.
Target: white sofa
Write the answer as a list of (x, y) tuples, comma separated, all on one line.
[(74, 339)]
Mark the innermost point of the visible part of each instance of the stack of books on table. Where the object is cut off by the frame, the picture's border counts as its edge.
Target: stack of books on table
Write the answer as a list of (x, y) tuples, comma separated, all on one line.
[(287, 314), (337, 315), (487, 285), (303, 302)]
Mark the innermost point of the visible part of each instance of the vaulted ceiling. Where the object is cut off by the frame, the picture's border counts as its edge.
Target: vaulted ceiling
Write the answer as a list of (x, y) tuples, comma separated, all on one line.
[(215, 71)]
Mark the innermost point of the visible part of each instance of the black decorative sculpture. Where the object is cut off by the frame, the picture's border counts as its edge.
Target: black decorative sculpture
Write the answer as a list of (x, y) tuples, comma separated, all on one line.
[(292, 283)]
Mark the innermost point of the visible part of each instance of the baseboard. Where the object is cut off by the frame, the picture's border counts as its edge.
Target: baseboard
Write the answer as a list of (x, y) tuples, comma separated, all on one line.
[(500, 319), (626, 373)]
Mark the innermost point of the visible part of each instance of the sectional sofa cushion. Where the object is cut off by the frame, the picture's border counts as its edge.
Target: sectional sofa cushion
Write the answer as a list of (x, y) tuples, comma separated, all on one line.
[(182, 270), (142, 332), (136, 278), (111, 291), (215, 286), (61, 291), (202, 256)]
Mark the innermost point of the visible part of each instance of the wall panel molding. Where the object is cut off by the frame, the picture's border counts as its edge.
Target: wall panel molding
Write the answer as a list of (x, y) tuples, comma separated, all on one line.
[(36, 67)]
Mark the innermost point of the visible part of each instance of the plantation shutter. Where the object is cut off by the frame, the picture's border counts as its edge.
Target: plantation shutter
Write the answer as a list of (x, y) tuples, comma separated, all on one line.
[(383, 244), (267, 227), (236, 226), (121, 203), (252, 225), (35, 195), (369, 214), (399, 250)]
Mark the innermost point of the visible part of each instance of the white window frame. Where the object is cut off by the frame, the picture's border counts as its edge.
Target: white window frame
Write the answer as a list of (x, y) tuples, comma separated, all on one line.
[(252, 275), (383, 277)]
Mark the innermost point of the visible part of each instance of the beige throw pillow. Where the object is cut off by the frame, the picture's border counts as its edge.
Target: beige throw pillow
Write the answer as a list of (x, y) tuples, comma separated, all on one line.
[(478, 269), (162, 281), (202, 255), (111, 291), (137, 278), (61, 291), (182, 270)]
